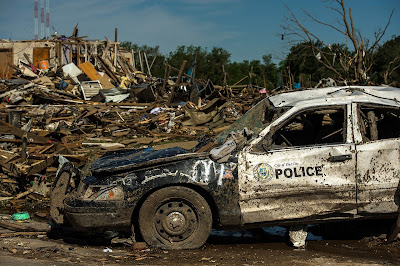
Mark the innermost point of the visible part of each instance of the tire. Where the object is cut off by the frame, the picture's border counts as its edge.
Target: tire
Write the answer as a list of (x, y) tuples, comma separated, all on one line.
[(175, 218)]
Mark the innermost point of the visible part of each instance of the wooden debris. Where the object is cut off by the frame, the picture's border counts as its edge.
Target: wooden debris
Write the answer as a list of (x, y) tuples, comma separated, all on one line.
[(46, 114), (22, 234), (18, 227), (23, 194)]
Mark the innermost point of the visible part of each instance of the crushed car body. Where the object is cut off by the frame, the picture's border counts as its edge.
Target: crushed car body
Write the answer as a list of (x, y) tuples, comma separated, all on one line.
[(295, 158)]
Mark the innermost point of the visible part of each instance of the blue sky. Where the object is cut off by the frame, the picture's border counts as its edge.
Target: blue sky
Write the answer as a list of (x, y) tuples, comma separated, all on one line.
[(247, 29)]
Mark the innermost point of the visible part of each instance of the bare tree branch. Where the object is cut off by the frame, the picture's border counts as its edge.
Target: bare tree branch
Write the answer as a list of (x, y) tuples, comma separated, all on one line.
[(349, 33), (309, 36), (382, 32), (358, 63), (390, 71), (323, 23), (396, 67), (353, 31), (336, 10)]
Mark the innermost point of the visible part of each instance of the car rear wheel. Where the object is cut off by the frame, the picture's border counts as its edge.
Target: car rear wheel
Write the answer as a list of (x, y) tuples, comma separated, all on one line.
[(175, 218)]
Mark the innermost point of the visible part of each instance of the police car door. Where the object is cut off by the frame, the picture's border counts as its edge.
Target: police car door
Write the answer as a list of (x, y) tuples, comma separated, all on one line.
[(378, 160), (303, 168)]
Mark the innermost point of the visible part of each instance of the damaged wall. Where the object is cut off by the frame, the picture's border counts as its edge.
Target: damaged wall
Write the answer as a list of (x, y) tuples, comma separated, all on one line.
[(55, 52), (35, 51)]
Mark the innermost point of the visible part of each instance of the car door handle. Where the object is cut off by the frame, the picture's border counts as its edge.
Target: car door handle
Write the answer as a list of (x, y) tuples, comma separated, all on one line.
[(340, 158)]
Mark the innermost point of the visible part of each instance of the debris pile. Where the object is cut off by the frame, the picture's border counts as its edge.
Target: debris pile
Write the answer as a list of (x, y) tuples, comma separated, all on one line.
[(81, 110)]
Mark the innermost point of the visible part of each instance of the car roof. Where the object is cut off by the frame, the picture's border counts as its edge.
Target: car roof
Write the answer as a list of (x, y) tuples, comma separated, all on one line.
[(338, 95)]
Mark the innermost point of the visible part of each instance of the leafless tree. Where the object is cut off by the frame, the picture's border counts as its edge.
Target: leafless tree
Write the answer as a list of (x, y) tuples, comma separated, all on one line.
[(356, 65)]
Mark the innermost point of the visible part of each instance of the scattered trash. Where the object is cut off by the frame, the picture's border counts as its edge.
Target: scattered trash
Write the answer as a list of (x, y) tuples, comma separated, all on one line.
[(157, 110), (107, 250), (20, 216)]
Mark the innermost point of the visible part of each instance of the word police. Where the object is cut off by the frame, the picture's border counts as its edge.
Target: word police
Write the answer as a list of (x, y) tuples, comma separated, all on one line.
[(299, 172)]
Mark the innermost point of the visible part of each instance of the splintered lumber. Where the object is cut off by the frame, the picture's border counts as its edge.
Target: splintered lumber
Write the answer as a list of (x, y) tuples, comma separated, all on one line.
[(40, 166), (5, 198), (107, 70), (20, 141), (105, 145), (23, 194), (6, 128), (188, 145), (92, 74), (178, 81), (73, 144), (199, 128), (171, 135), (22, 234), (94, 111), (89, 70), (21, 228)]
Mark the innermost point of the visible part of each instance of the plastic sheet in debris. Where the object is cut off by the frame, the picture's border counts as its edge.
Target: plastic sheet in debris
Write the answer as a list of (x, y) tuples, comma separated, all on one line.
[(115, 95), (117, 98), (157, 110), (72, 71), (20, 216)]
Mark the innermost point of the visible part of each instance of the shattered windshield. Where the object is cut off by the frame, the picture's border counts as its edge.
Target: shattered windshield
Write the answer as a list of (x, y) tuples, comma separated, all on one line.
[(256, 119)]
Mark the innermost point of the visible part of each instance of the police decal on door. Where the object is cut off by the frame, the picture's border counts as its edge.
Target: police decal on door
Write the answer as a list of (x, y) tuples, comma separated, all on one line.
[(265, 172)]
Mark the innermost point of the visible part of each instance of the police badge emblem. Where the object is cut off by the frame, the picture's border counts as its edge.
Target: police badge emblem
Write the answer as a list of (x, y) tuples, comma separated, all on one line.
[(263, 172)]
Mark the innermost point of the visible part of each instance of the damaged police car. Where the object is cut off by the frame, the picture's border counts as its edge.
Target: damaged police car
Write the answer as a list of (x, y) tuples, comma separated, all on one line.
[(313, 156)]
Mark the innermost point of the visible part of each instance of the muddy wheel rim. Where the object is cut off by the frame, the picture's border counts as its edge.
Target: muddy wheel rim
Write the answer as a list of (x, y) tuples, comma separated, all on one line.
[(175, 221)]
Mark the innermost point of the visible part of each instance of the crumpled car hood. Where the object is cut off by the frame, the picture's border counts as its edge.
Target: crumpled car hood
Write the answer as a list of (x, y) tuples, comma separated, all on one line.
[(117, 161)]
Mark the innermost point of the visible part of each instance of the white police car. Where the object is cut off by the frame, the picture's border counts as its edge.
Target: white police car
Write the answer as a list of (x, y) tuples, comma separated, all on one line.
[(316, 155)]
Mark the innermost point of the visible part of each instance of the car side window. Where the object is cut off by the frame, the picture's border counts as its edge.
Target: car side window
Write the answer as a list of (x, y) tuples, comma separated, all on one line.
[(311, 127), (379, 122)]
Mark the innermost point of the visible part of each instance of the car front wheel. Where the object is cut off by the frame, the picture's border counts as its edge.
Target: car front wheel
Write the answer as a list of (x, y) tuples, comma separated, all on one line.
[(175, 218)]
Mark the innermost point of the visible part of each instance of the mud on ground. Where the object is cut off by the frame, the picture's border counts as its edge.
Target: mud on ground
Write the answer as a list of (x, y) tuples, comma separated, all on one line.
[(343, 243)]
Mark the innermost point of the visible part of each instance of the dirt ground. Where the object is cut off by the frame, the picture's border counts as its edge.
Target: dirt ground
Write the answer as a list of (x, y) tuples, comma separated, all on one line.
[(344, 243)]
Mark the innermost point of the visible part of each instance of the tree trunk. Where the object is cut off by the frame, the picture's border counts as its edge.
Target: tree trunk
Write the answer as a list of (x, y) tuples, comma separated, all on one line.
[(359, 74)]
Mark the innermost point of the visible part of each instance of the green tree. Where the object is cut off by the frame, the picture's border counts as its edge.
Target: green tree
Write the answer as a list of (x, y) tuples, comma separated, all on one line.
[(217, 58), (302, 61), (235, 72), (259, 70), (270, 71), (387, 62), (209, 65), (155, 58), (189, 53)]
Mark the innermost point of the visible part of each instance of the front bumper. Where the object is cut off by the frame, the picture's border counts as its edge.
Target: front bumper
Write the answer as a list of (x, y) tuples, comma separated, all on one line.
[(92, 215)]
